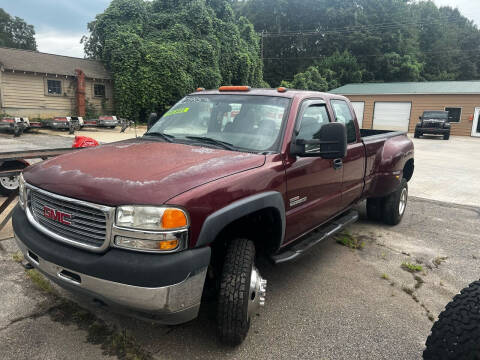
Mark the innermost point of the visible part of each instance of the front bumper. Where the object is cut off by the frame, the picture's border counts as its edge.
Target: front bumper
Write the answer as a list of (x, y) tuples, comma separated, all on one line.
[(163, 287), (435, 131)]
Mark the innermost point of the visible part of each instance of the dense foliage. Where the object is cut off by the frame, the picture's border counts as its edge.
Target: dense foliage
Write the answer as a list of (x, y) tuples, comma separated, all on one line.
[(328, 73), (391, 40), (16, 33), (161, 50)]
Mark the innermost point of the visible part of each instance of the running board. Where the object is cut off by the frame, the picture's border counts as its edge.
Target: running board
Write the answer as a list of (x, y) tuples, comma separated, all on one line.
[(315, 237)]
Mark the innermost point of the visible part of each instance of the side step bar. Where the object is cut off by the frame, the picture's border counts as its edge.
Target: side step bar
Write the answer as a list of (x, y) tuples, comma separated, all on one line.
[(315, 237)]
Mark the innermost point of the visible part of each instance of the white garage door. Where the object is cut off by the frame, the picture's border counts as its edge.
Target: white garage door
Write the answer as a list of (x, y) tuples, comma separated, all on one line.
[(391, 115), (359, 107)]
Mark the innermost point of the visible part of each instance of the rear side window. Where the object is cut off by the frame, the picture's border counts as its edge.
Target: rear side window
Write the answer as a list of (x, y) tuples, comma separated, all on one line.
[(344, 116), (314, 117)]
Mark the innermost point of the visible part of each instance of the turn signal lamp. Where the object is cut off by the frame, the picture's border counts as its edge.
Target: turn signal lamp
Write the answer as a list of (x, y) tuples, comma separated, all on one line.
[(173, 219), (234, 88)]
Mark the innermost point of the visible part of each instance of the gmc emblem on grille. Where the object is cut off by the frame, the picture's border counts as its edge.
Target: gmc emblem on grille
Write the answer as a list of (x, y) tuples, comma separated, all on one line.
[(57, 215)]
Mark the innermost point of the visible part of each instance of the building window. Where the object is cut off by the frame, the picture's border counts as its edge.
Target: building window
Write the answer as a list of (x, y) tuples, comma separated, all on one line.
[(54, 87), (99, 90), (454, 114)]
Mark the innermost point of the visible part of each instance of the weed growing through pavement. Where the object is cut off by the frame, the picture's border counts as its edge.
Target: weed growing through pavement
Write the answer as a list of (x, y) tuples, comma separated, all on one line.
[(411, 267), (348, 240), (439, 260)]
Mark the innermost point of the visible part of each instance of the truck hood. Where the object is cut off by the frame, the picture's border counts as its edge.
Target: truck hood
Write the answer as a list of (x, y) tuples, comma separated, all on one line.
[(137, 171)]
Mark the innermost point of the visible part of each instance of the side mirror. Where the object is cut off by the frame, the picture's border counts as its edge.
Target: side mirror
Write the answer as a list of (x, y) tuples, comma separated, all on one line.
[(331, 143), (420, 118)]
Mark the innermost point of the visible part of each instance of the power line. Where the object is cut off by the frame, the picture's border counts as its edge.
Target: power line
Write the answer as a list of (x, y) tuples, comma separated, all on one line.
[(473, 51), (357, 28)]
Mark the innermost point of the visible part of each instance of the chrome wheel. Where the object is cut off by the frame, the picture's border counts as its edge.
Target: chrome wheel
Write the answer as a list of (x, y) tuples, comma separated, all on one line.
[(402, 204), (9, 182), (258, 290)]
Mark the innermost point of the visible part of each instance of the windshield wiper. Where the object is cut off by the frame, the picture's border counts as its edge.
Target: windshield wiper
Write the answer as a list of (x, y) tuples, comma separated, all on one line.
[(224, 144), (166, 137)]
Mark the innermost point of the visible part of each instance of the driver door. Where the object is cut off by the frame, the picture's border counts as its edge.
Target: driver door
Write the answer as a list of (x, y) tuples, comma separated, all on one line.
[(314, 184)]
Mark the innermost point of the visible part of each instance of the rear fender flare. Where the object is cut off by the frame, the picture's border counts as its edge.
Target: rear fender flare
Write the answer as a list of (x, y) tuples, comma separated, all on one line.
[(219, 219)]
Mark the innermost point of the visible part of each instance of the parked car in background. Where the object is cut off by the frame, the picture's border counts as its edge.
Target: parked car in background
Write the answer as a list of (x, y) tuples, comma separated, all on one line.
[(65, 122), (433, 122), (107, 121), (17, 125), (223, 177)]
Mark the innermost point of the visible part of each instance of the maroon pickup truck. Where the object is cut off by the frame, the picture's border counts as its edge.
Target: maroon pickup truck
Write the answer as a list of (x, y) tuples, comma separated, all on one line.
[(224, 176)]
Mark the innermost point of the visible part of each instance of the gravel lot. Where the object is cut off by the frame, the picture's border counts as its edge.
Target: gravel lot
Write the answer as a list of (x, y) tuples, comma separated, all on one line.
[(333, 303)]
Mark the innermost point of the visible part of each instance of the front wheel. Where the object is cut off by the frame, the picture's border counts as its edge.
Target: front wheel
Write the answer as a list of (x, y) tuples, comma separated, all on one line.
[(446, 136), (456, 334), (395, 204), (242, 291)]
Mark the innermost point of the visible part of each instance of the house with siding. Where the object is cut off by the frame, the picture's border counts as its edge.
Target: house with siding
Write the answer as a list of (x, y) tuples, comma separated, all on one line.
[(397, 106), (40, 85)]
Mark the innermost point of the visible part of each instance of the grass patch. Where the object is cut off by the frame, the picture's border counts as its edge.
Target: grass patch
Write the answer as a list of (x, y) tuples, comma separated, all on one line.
[(112, 341), (40, 281), (411, 267), (385, 277), (350, 241), (17, 257)]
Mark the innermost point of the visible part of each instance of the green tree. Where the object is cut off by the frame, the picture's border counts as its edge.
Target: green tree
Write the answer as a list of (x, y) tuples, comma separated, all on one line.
[(16, 33), (329, 73), (392, 40), (161, 50)]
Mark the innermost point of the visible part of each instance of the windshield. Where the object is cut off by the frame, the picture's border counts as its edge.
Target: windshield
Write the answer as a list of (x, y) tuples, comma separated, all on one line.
[(246, 122), (441, 115)]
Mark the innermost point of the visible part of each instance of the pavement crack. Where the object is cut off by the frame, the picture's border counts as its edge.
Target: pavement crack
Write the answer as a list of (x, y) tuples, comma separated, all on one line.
[(33, 316)]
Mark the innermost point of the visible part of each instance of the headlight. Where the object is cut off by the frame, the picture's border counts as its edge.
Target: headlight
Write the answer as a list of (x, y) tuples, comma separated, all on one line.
[(151, 228), (151, 218), (22, 191)]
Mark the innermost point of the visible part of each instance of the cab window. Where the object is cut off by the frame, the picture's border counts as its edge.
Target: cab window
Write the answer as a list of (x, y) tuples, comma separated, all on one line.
[(344, 116)]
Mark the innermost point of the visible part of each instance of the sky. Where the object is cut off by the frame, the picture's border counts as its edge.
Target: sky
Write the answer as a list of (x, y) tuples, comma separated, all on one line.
[(60, 24)]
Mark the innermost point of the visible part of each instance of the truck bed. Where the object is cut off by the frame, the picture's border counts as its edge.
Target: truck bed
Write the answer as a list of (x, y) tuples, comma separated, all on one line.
[(371, 134)]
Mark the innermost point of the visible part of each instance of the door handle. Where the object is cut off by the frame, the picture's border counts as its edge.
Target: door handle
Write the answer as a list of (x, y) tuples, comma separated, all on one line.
[(337, 164)]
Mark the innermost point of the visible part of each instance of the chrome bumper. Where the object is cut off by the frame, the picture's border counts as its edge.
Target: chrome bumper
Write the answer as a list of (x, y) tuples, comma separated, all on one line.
[(174, 304)]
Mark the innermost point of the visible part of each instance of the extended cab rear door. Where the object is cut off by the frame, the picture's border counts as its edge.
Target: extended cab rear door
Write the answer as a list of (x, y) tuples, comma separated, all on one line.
[(314, 184), (354, 162)]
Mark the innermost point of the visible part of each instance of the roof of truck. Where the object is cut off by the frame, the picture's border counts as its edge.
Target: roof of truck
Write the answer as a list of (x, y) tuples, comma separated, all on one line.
[(289, 93), (407, 88)]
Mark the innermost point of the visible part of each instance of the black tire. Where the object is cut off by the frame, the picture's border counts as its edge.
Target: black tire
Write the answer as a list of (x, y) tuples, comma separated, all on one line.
[(375, 208), (233, 322), (456, 334), (417, 134), (391, 208), (446, 136)]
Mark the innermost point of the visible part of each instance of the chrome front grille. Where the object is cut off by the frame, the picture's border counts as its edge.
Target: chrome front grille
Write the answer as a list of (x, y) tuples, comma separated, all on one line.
[(72, 221)]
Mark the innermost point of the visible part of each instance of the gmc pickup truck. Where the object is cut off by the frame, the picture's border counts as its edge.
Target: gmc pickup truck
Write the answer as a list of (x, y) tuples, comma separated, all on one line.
[(223, 177)]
